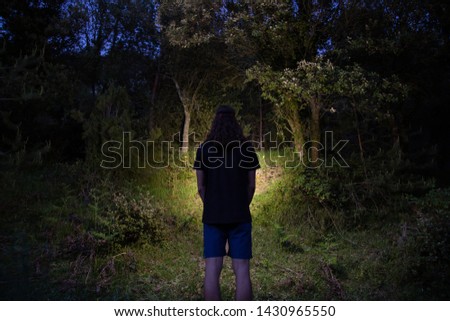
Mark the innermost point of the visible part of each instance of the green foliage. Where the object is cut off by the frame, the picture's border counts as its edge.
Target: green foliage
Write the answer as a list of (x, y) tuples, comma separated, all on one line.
[(395, 249), (108, 122), (17, 152), (376, 71), (325, 199), (324, 81), (314, 185), (117, 214), (302, 96), (189, 23), (422, 244), (92, 235), (21, 85), (135, 219), (273, 33)]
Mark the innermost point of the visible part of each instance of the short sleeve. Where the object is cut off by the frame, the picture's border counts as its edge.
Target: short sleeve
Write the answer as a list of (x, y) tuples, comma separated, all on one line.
[(250, 158)]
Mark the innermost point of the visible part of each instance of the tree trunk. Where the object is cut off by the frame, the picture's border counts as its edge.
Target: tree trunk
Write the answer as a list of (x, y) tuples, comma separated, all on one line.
[(185, 137), (315, 130), (188, 96), (360, 144), (185, 99), (296, 129)]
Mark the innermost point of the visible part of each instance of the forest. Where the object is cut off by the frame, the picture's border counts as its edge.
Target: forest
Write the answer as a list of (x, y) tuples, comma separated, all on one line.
[(104, 103)]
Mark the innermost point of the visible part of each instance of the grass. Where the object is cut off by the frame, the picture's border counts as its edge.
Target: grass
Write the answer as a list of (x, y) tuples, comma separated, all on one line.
[(49, 250)]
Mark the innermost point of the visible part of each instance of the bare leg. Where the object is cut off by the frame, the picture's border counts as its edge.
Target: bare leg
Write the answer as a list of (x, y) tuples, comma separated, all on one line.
[(241, 268), (213, 267)]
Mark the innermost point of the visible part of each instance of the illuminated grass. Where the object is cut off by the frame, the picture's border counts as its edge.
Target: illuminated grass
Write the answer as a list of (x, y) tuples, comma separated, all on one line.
[(289, 261)]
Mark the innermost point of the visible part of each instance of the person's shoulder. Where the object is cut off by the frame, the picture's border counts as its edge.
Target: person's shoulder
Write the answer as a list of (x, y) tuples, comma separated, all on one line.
[(210, 145)]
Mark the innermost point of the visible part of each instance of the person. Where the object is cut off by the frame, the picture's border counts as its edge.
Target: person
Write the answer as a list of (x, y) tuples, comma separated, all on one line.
[(225, 165)]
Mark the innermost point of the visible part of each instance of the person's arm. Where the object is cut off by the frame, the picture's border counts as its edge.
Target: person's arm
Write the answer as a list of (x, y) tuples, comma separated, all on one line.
[(201, 184), (251, 185)]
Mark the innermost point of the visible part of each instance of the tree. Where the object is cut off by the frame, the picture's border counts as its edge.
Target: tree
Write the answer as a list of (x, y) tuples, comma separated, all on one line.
[(409, 39), (108, 121), (193, 52), (276, 33), (308, 88), (314, 87)]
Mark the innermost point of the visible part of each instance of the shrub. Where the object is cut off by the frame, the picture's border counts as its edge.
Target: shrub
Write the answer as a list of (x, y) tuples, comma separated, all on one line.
[(135, 219), (423, 244)]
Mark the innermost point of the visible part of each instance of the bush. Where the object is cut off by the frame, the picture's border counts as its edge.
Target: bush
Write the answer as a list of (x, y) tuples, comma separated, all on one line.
[(359, 196), (136, 219), (423, 244)]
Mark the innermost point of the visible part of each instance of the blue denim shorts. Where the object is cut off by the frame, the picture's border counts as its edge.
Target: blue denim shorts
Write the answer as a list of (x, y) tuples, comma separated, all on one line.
[(239, 237)]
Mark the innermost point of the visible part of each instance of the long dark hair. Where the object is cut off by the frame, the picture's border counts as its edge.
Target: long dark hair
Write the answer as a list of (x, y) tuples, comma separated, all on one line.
[(225, 128)]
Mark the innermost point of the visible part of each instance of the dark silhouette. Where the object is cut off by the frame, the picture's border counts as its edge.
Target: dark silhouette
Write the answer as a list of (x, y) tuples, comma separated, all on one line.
[(226, 164)]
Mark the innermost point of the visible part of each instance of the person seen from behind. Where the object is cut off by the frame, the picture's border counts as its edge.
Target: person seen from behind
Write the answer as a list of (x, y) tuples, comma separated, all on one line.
[(225, 165)]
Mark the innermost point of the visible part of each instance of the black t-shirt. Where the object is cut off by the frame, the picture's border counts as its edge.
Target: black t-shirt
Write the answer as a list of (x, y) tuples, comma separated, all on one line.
[(226, 179)]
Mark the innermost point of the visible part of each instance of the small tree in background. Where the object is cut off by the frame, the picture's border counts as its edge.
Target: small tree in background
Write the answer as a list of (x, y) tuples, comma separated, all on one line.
[(108, 121), (302, 95)]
